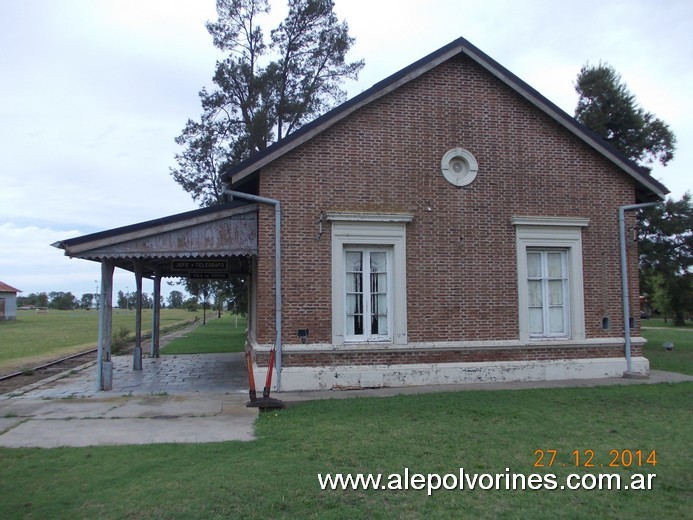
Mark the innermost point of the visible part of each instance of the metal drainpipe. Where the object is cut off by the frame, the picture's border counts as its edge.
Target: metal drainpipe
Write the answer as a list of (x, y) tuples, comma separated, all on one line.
[(277, 270), (624, 276)]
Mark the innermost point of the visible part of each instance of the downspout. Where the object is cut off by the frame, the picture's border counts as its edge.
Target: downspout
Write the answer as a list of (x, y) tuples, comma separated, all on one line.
[(277, 270), (624, 279)]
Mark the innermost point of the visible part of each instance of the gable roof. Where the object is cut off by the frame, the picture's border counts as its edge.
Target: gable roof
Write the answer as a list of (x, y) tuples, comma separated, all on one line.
[(648, 188), (8, 288)]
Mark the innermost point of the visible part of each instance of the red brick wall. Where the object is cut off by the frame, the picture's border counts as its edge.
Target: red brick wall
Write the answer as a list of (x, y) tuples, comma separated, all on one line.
[(388, 357), (461, 259)]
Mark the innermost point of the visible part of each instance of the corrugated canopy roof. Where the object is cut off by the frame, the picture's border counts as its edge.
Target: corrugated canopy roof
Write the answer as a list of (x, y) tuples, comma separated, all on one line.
[(219, 239)]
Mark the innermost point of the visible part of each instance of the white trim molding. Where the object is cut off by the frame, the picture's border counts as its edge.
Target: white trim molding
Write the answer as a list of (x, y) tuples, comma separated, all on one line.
[(370, 229), (564, 233)]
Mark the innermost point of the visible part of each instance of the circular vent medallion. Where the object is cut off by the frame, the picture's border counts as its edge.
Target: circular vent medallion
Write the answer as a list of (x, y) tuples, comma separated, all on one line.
[(459, 167)]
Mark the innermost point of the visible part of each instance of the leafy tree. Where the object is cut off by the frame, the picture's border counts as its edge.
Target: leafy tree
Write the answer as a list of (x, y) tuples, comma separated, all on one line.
[(265, 89), (175, 300), (607, 107), (37, 300), (63, 301), (191, 304), (122, 302), (87, 301), (666, 256)]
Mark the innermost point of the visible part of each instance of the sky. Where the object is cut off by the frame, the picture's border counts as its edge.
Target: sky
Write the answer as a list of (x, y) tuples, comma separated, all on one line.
[(94, 92)]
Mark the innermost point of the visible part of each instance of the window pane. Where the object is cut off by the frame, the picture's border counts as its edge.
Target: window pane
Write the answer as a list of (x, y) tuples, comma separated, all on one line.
[(555, 261), (354, 304), (378, 264), (379, 283), (379, 325), (380, 305), (555, 292), (353, 262), (534, 265), (536, 321), (354, 325), (353, 283), (556, 320), (535, 297)]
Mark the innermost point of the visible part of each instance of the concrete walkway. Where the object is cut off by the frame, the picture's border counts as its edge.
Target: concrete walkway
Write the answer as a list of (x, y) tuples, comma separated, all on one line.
[(181, 399), (184, 399)]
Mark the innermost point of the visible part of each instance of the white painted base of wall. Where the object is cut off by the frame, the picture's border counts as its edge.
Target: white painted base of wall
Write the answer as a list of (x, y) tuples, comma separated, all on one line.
[(376, 376)]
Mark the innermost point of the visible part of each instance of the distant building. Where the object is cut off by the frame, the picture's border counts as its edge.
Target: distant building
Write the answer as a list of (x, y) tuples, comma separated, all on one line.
[(8, 302)]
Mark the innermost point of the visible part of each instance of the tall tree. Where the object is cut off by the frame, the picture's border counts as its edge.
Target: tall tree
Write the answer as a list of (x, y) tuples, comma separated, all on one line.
[(87, 301), (666, 256), (265, 89), (607, 107), (175, 300)]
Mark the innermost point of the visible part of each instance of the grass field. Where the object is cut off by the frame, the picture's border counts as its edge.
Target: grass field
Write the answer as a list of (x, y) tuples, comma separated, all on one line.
[(33, 337), (276, 475), (680, 359), (225, 334)]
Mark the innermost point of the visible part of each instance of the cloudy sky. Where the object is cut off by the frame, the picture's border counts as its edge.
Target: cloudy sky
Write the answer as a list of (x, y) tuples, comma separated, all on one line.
[(93, 93)]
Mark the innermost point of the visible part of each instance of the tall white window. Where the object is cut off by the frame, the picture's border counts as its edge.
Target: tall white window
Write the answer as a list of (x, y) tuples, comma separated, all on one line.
[(549, 278), (548, 293), (368, 292), (369, 278)]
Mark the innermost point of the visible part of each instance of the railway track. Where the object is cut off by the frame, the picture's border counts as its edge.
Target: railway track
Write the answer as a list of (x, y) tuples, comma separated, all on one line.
[(15, 380)]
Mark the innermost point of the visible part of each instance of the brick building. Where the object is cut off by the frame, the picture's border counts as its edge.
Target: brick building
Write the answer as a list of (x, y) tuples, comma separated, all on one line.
[(449, 224)]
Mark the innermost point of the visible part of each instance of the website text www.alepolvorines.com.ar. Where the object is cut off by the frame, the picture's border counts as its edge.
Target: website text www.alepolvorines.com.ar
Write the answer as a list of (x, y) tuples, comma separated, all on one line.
[(465, 481)]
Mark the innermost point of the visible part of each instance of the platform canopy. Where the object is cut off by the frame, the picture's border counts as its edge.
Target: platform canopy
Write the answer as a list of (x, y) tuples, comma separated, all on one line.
[(205, 244), (209, 243)]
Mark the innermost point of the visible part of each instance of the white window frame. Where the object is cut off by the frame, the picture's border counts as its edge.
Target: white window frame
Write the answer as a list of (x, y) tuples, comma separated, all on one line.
[(370, 230), (544, 279), (544, 233), (367, 311)]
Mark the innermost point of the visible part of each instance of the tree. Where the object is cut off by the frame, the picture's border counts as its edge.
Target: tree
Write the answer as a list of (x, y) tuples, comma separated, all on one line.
[(64, 301), (608, 109), (87, 301), (264, 89), (37, 300), (191, 304), (122, 302), (666, 256), (175, 300)]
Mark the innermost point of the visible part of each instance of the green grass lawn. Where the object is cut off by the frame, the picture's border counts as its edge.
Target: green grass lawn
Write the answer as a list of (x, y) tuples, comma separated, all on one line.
[(225, 334), (32, 336), (657, 333), (276, 475)]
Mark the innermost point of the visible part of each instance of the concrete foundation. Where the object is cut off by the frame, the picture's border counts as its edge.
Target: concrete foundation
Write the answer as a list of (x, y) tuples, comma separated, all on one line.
[(379, 376)]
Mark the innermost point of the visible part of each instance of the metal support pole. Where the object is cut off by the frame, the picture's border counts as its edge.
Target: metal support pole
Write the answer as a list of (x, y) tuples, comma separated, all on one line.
[(156, 314), (137, 352), (104, 366), (624, 278), (277, 270)]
